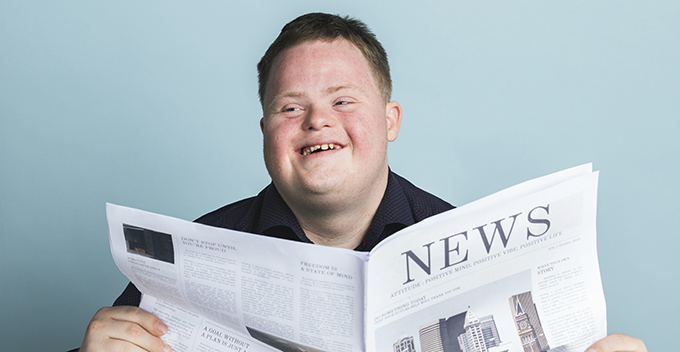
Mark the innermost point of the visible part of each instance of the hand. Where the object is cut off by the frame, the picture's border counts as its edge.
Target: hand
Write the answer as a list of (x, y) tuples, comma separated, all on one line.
[(618, 343), (124, 328)]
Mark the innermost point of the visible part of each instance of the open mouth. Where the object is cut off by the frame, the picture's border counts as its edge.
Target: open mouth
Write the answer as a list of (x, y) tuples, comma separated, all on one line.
[(319, 148)]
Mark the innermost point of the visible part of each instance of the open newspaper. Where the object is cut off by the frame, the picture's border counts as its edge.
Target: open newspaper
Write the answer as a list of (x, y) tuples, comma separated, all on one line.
[(515, 271)]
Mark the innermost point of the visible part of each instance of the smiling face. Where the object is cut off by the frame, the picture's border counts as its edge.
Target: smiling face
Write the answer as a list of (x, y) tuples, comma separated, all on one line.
[(326, 126)]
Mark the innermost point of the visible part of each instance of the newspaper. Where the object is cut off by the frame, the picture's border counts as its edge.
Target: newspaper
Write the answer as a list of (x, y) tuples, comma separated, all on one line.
[(514, 271)]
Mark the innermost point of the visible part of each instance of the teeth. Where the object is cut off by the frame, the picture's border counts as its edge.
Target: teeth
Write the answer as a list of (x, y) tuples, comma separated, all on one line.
[(312, 149)]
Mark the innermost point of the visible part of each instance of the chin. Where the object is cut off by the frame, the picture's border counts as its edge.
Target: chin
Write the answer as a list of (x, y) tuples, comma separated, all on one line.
[(320, 188)]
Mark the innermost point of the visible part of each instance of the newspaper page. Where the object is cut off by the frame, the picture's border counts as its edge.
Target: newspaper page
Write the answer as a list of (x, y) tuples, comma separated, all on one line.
[(516, 271), (222, 290)]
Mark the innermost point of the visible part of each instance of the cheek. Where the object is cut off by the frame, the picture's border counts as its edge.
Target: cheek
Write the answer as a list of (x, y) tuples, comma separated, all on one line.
[(276, 142), (368, 134)]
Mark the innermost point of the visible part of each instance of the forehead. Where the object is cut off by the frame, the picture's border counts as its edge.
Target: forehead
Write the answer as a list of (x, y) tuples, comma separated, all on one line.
[(319, 65)]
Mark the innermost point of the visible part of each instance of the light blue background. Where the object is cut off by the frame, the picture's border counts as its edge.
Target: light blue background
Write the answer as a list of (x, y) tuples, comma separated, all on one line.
[(152, 104)]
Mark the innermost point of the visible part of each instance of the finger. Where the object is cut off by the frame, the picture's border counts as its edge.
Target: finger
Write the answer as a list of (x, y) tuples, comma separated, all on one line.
[(133, 333), (148, 321), (120, 329), (618, 343)]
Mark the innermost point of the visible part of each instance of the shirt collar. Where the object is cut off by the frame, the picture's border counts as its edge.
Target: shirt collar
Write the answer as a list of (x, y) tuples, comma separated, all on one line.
[(393, 214), (276, 218)]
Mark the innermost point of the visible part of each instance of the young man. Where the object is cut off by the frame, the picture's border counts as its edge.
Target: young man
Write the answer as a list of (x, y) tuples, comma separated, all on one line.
[(324, 88)]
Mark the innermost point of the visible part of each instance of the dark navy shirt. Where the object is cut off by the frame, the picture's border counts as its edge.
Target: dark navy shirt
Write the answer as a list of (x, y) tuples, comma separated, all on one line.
[(267, 214)]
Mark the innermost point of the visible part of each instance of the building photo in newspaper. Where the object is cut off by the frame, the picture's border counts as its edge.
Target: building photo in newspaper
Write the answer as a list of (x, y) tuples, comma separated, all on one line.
[(478, 320)]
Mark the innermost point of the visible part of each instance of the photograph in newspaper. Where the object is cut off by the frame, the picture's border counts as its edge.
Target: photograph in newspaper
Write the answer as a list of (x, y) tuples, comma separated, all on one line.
[(466, 321), (149, 243)]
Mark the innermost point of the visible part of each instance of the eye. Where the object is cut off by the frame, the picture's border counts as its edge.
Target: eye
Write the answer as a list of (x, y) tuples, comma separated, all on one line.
[(291, 108), (343, 101)]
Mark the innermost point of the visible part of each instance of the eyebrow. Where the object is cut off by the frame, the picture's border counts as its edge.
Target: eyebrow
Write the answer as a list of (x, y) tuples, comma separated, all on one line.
[(334, 89)]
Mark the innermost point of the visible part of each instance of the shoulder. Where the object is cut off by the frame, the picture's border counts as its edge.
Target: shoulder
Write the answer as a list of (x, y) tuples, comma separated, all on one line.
[(423, 204), (241, 215)]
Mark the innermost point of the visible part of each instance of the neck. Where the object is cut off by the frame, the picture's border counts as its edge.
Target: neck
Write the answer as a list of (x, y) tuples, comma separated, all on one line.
[(340, 224)]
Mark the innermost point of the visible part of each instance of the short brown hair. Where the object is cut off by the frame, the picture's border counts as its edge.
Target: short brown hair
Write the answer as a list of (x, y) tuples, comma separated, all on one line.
[(323, 26)]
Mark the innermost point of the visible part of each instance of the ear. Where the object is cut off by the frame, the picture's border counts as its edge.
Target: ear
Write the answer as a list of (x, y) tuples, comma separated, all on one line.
[(393, 114), (262, 125)]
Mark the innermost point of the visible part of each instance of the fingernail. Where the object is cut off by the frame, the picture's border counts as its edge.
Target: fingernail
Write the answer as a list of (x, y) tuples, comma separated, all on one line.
[(161, 327), (167, 348), (592, 349)]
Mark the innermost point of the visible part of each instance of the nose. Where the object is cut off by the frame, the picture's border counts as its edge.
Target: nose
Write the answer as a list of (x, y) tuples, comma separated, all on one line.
[(317, 119)]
